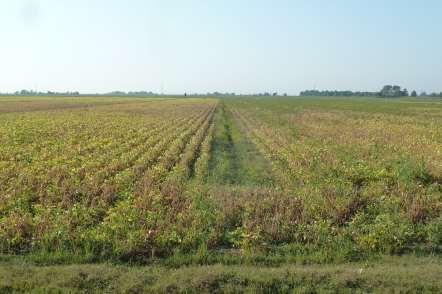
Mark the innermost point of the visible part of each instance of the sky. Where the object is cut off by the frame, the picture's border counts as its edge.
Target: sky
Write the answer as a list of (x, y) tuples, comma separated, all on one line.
[(242, 46)]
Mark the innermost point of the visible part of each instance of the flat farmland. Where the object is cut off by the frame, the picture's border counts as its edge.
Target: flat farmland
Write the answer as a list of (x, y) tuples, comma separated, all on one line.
[(243, 183)]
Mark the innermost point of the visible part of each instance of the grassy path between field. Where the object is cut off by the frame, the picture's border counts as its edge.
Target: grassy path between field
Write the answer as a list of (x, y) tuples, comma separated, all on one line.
[(406, 274), (235, 160)]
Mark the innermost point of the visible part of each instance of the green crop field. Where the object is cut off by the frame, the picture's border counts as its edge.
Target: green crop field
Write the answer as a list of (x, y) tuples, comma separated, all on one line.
[(119, 194)]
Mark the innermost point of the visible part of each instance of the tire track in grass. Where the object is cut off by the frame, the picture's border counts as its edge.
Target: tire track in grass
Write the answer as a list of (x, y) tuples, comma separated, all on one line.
[(223, 165), (279, 165), (238, 178), (235, 160)]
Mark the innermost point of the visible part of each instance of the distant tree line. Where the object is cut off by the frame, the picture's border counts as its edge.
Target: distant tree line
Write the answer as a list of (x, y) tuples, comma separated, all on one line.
[(132, 93), (230, 94), (268, 94), (216, 93), (389, 91), (212, 94), (76, 93), (40, 93), (386, 91), (424, 94), (338, 93), (393, 91)]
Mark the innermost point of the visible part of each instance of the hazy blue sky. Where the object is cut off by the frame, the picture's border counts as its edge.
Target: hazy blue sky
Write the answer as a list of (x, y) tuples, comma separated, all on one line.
[(235, 45)]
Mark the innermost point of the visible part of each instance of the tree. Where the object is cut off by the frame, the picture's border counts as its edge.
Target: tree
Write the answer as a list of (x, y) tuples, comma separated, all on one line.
[(393, 91), (396, 88), (386, 91), (413, 94)]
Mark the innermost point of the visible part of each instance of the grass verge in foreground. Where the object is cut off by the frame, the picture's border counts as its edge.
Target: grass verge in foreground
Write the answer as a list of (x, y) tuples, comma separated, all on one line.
[(398, 274)]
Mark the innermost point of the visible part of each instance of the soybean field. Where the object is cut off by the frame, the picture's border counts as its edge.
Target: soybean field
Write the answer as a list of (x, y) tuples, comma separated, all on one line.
[(221, 183)]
